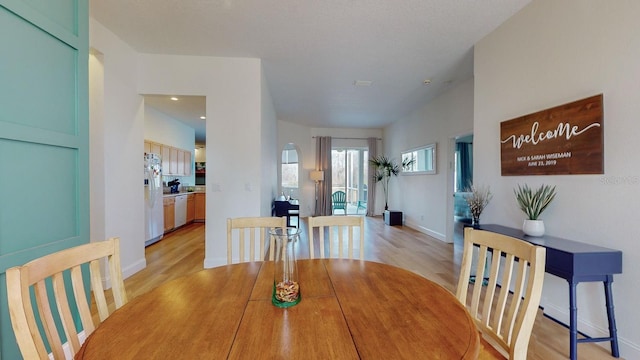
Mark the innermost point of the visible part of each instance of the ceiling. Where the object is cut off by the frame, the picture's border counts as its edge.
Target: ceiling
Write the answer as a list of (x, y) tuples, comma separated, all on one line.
[(187, 109), (313, 52)]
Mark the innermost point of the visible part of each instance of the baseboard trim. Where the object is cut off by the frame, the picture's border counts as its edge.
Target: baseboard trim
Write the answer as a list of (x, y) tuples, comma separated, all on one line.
[(134, 268), (67, 349), (214, 262), (126, 272), (426, 231)]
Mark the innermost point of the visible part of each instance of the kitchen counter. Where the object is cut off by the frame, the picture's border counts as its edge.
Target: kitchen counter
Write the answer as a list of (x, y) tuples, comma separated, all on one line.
[(182, 193)]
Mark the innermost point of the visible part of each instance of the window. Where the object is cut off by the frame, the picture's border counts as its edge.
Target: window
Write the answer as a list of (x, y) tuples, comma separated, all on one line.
[(424, 160), (289, 167)]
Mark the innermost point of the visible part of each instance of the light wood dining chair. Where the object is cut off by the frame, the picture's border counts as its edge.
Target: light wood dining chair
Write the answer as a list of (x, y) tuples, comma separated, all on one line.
[(47, 280), (504, 303), (344, 233), (252, 229)]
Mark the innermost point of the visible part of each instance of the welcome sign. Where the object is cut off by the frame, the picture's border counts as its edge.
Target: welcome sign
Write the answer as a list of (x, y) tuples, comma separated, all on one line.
[(566, 139)]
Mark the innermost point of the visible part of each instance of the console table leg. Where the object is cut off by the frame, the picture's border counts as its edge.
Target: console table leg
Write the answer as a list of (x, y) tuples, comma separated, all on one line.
[(613, 332), (573, 322)]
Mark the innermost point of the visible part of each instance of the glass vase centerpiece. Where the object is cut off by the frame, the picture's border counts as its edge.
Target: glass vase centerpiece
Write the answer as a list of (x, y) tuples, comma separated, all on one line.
[(286, 286)]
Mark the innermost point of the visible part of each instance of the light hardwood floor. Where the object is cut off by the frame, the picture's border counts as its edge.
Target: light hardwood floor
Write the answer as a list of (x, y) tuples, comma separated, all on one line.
[(182, 252)]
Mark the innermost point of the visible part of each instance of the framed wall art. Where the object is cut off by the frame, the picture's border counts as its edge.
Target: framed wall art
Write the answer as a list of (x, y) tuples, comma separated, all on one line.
[(566, 139)]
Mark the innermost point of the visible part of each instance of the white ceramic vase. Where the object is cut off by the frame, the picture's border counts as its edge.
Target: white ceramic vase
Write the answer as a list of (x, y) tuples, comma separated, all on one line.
[(533, 227)]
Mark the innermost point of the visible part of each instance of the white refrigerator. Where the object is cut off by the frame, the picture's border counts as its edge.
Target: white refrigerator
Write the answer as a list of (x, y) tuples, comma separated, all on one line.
[(153, 205)]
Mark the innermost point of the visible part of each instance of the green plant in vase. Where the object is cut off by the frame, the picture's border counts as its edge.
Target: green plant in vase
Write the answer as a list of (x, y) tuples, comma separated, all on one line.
[(533, 203)]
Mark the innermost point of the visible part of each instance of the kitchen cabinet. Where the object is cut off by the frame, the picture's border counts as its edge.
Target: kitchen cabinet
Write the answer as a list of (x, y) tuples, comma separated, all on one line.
[(191, 208), (151, 147), (173, 161), (187, 164), (184, 162), (166, 154), (180, 162), (156, 148), (169, 214), (200, 207)]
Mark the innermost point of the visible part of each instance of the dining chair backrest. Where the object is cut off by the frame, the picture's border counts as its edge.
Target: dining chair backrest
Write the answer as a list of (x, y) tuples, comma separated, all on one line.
[(339, 200), (246, 231), (50, 279), (340, 232), (505, 300)]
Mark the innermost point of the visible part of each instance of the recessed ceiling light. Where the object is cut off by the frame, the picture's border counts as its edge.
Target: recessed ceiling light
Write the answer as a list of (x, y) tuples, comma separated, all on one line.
[(174, 98), (427, 81), (362, 83), (203, 117)]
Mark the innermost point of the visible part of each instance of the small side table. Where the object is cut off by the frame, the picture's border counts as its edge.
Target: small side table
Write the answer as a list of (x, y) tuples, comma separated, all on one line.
[(577, 262), (392, 217)]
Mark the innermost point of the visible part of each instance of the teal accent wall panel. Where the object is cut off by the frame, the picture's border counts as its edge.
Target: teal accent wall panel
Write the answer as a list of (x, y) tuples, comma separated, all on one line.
[(62, 12), (44, 136), (53, 80), (43, 196), (6, 332)]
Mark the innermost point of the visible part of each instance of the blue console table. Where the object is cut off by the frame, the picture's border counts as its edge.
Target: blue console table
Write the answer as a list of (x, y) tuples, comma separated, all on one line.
[(576, 262)]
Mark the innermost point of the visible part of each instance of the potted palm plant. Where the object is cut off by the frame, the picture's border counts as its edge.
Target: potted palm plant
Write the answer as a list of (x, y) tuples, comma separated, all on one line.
[(533, 203), (385, 168)]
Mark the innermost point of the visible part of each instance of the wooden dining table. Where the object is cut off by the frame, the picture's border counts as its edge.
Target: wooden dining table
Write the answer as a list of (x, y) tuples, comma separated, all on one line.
[(350, 309)]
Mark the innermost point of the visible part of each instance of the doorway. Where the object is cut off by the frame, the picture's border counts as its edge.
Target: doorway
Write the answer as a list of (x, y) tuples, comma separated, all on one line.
[(462, 179), (290, 167), (175, 126), (178, 121), (350, 172)]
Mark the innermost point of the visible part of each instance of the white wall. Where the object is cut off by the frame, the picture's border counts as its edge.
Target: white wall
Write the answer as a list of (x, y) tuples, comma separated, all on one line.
[(233, 88), (425, 200), (269, 150), (551, 53), (119, 133), (97, 176), (236, 138), (162, 128)]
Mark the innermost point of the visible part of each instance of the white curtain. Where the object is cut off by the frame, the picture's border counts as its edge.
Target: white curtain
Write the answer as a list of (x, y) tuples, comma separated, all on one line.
[(371, 183), (323, 162)]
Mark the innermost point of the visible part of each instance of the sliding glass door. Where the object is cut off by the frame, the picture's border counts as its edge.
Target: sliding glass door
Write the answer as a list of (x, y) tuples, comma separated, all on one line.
[(350, 174)]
